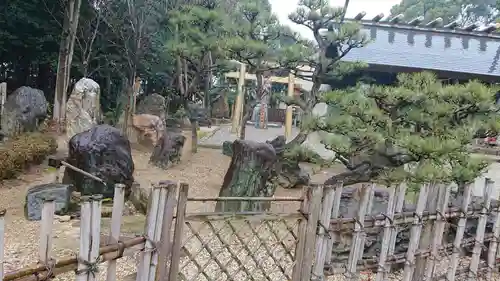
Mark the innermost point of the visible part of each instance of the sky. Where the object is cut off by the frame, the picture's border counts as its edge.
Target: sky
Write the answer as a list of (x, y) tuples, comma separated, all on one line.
[(282, 8)]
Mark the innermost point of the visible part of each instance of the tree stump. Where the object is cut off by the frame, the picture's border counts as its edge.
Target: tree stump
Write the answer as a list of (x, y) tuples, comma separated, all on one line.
[(168, 150), (251, 167)]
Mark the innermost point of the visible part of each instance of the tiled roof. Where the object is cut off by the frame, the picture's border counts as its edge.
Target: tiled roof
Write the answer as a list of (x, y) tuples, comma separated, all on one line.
[(445, 49)]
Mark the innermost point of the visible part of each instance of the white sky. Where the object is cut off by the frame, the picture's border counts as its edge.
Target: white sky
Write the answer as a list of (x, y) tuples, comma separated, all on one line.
[(282, 8)]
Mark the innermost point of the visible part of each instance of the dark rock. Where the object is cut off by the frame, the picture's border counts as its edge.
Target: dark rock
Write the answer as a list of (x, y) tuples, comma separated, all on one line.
[(153, 104), (102, 151), (198, 113), (24, 110), (36, 195), (247, 176), (168, 150)]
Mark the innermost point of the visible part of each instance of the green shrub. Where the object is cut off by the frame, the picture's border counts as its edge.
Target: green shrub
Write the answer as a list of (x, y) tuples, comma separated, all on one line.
[(18, 153)]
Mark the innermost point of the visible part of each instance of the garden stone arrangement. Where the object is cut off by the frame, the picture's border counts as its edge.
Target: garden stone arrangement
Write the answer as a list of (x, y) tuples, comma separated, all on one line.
[(24, 110), (82, 109)]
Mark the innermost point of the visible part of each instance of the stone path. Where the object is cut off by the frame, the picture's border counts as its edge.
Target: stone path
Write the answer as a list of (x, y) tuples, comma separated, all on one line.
[(260, 135)]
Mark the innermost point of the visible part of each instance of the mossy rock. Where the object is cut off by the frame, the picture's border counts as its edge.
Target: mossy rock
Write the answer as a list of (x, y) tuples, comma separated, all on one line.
[(227, 148)]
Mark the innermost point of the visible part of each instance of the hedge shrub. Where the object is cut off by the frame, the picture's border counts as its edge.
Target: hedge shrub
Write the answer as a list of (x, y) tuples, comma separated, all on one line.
[(18, 153)]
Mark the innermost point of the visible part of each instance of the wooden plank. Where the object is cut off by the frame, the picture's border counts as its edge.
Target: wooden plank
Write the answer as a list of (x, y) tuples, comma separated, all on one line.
[(439, 226), (358, 240), (323, 233), (481, 227), (415, 234), (386, 238)]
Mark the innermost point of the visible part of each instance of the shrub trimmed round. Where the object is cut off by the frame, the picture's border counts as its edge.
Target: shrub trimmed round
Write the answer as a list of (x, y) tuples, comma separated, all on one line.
[(19, 153)]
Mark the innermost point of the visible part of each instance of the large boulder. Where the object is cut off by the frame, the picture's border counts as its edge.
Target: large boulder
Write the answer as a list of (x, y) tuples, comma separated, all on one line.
[(24, 110), (148, 128), (36, 195), (82, 108), (102, 151), (168, 150), (153, 104)]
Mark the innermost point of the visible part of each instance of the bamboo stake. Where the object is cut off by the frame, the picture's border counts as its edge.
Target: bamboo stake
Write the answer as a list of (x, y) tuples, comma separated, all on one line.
[(335, 214), (455, 256), (386, 236), (143, 270), (481, 226), (492, 251), (415, 234), (157, 234), (179, 227), (85, 228), (116, 221), (437, 237), (2, 240), (166, 244), (95, 233), (323, 235), (45, 249), (398, 208), (358, 240), (299, 249)]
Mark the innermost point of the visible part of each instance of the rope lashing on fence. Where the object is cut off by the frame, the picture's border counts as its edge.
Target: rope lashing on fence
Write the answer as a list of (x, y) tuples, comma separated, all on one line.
[(90, 267), (121, 249), (154, 245), (49, 267)]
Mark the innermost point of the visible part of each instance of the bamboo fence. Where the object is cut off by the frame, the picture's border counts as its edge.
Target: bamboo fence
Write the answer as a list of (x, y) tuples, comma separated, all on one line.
[(272, 245)]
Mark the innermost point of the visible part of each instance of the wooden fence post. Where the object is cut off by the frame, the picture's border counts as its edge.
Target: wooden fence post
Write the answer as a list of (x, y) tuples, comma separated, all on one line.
[(455, 256), (416, 229), (116, 221), (439, 226), (358, 241), (179, 232), (481, 227), (166, 244), (323, 235)]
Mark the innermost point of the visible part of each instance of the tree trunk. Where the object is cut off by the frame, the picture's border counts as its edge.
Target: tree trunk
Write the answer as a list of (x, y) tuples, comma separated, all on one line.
[(194, 134), (64, 61), (251, 167)]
